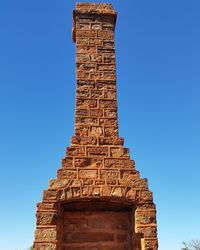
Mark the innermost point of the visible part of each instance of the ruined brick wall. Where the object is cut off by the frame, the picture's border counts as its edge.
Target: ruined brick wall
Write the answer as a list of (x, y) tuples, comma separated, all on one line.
[(97, 167)]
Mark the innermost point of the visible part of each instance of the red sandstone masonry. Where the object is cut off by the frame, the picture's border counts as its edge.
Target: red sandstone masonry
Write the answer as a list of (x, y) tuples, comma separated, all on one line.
[(98, 200)]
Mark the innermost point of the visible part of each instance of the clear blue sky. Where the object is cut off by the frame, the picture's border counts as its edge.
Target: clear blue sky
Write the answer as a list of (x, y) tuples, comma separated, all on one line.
[(158, 63)]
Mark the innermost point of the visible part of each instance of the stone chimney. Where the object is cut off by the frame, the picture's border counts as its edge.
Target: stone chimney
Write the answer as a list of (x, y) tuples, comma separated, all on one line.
[(98, 200)]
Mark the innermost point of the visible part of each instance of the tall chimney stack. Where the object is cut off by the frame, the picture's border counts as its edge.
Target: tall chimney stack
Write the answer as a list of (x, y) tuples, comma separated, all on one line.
[(98, 200)]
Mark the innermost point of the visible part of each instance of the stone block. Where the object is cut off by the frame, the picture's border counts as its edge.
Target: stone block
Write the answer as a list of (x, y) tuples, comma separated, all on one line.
[(45, 235), (119, 163), (109, 174), (108, 121), (96, 131), (86, 120), (82, 58), (49, 195), (96, 112), (88, 163), (111, 131), (111, 141), (67, 174), (84, 140), (87, 33), (88, 174), (75, 151), (82, 112), (44, 246), (46, 218), (96, 93), (107, 103), (97, 151), (67, 162), (85, 49), (106, 34), (86, 103), (119, 152)]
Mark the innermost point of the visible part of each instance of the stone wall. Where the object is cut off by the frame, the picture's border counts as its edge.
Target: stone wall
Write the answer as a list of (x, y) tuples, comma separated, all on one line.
[(97, 167)]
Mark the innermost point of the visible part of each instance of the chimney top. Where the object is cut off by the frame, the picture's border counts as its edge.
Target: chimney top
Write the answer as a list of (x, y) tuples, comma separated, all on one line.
[(102, 8)]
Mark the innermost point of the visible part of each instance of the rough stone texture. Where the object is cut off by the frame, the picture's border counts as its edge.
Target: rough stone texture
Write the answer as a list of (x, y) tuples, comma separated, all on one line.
[(97, 167)]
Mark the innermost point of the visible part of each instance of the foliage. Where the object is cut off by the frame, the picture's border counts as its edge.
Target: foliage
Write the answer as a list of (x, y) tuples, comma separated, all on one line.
[(191, 245)]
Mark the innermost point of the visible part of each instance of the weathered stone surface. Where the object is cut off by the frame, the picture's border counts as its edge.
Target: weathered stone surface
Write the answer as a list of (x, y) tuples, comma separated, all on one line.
[(85, 174), (109, 174), (97, 151), (88, 163), (45, 246), (45, 235), (46, 218), (119, 163)]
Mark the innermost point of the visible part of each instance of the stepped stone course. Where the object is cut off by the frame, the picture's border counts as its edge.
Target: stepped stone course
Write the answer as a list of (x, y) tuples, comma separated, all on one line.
[(98, 200)]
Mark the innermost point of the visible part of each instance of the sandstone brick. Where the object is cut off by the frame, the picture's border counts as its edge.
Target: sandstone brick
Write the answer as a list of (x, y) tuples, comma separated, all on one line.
[(96, 112), (107, 103), (82, 112), (83, 26), (44, 246), (82, 75), (67, 162), (49, 195), (108, 43), (109, 58), (108, 121), (109, 174), (45, 235), (88, 163), (111, 141), (111, 131), (96, 131), (81, 130), (58, 183), (96, 58), (86, 33), (147, 231), (85, 174), (46, 206), (82, 41), (46, 218), (106, 85), (145, 217), (109, 75), (95, 41), (76, 192), (110, 113), (75, 151), (119, 152), (119, 163), (89, 67), (96, 93), (82, 84), (106, 67), (97, 151), (85, 49), (110, 94), (84, 140), (87, 120), (82, 58), (96, 26), (108, 26), (146, 195), (86, 103), (97, 76), (66, 173), (106, 34)]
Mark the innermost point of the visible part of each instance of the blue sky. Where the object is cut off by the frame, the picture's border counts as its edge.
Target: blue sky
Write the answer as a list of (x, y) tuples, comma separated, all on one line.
[(158, 62)]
